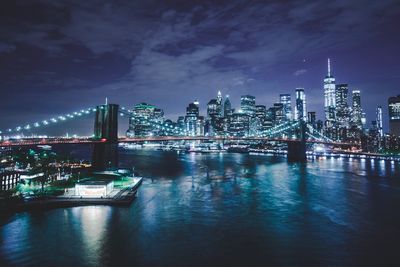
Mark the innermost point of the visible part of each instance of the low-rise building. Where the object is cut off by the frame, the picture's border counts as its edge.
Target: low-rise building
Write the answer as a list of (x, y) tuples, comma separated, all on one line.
[(9, 180)]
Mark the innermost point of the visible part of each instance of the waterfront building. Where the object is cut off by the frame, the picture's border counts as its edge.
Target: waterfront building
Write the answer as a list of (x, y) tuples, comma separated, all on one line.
[(330, 97), (94, 188), (144, 120), (248, 105), (9, 180), (285, 99), (394, 115), (300, 111)]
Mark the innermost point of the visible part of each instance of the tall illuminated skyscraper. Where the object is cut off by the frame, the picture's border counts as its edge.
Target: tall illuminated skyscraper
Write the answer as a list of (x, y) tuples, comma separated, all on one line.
[(285, 99), (248, 104), (330, 97), (219, 104), (227, 107), (191, 119), (300, 111), (379, 121), (356, 116), (394, 115), (342, 107)]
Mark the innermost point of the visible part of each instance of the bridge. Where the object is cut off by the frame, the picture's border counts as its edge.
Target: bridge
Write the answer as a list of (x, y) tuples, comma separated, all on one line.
[(105, 139)]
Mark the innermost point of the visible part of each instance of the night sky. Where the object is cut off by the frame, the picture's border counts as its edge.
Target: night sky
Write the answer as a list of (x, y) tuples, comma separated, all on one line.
[(61, 56)]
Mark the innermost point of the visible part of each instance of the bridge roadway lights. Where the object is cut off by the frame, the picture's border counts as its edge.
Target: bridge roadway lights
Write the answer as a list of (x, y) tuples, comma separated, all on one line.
[(105, 154)]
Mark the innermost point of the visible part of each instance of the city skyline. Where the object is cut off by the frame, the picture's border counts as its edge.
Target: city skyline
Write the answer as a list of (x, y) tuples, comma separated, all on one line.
[(59, 60)]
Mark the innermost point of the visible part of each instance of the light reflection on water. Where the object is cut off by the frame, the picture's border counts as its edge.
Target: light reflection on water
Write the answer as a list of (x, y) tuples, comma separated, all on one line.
[(223, 209)]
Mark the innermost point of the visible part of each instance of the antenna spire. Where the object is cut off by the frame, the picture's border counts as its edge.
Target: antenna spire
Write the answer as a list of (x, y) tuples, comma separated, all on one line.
[(329, 67), (106, 101)]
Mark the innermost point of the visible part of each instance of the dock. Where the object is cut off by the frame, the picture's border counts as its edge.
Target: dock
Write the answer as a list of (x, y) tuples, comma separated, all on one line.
[(122, 197)]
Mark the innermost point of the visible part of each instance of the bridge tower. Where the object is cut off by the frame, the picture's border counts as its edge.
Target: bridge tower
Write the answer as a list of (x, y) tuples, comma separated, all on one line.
[(105, 154), (297, 148)]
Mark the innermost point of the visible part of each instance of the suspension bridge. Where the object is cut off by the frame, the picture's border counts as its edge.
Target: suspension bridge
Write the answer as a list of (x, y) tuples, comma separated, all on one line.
[(105, 138)]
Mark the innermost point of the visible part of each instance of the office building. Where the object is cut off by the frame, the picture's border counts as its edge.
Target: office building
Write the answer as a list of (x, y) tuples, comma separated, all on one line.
[(356, 113), (379, 120), (342, 107), (227, 107), (394, 115), (312, 118), (9, 180), (144, 120), (192, 119), (300, 111), (248, 105), (285, 99)]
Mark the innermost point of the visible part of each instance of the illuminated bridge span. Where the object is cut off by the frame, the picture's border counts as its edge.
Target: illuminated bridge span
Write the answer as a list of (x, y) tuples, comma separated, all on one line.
[(105, 154), (58, 141)]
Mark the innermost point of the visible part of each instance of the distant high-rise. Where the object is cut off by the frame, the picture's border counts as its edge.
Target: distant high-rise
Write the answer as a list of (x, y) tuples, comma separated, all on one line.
[(312, 118), (227, 107), (261, 111), (394, 115), (356, 116), (379, 120), (193, 109), (248, 105), (219, 104), (300, 111), (330, 97), (279, 113), (285, 99), (239, 124), (143, 121), (342, 106), (212, 108), (192, 119)]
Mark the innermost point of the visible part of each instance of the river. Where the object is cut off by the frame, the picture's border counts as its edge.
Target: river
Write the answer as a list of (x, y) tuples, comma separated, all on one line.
[(223, 210)]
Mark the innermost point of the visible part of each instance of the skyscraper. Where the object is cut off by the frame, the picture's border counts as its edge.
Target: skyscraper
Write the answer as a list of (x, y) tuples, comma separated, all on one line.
[(356, 114), (227, 107), (312, 118), (144, 119), (248, 105), (330, 97), (394, 115), (212, 108), (342, 107), (300, 112), (219, 104), (285, 99), (191, 119), (379, 121)]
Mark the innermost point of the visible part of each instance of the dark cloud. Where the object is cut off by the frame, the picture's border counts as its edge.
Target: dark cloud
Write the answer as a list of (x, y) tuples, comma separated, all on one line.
[(75, 53)]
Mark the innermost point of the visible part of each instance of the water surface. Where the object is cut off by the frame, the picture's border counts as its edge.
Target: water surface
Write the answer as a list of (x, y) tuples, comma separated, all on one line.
[(223, 210)]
